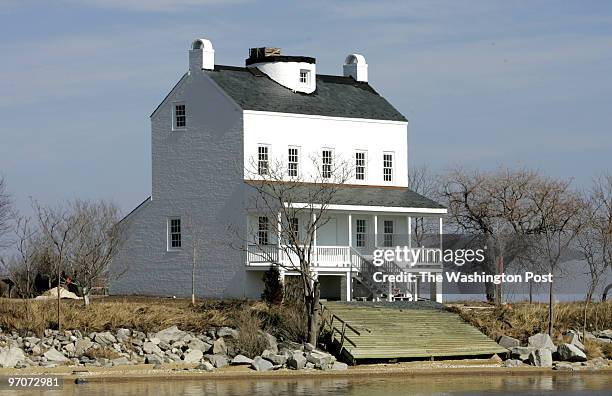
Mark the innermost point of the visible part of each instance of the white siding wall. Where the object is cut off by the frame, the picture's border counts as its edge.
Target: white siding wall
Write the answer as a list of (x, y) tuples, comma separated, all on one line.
[(345, 136), (195, 177)]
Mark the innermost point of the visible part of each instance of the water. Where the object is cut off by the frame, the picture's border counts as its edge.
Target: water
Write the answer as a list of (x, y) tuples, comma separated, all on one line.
[(477, 384)]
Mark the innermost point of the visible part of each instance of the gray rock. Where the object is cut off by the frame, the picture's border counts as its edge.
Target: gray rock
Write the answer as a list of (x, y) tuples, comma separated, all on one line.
[(512, 363), (339, 366), (508, 342), (575, 340), (241, 359), (153, 359), (270, 340), (120, 361), (198, 344), (219, 347), (70, 348), (320, 359), (310, 365), (11, 356), (563, 366), (261, 364), (297, 361), (164, 346), (217, 360), (275, 358), (227, 332), (541, 341), (150, 348), (123, 335), (154, 340), (105, 338), (36, 350), (171, 334), (206, 366), (53, 355), (81, 346), (570, 353), (193, 356), (541, 357), (521, 353), (308, 347)]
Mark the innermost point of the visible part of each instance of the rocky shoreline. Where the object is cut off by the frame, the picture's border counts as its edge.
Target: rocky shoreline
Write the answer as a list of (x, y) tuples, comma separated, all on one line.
[(541, 351), (209, 351), (218, 348)]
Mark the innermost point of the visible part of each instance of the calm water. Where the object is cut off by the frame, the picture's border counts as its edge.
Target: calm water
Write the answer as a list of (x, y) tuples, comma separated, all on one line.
[(570, 384)]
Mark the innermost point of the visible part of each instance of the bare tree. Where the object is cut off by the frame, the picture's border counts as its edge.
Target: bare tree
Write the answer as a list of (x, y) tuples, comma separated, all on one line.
[(57, 226), (23, 266), (96, 238), (6, 212), (494, 207), (293, 207), (557, 209), (594, 241), (422, 181)]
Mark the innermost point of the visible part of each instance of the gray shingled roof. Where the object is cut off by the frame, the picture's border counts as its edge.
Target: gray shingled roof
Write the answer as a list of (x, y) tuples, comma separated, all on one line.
[(335, 96), (397, 197)]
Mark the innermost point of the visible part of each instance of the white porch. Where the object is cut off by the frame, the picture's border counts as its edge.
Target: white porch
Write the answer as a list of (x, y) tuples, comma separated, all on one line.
[(344, 246)]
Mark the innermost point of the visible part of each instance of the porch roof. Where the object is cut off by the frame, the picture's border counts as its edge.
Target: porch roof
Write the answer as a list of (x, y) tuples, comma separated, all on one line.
[(358, 195)]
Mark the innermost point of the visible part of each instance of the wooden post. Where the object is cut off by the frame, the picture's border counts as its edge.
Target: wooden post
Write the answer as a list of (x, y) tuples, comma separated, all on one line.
[(375, 231)]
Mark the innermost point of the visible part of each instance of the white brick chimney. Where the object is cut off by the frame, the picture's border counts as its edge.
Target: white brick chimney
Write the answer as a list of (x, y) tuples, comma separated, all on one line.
[(355, 66), (201, 55)]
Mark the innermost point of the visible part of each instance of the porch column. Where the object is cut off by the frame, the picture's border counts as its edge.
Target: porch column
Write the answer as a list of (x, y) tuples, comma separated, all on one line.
[(278, 235), (409, 232), (375, 231), (439, 284), (349, 286), (247, 239), (439, 292), (350, 230), (314, 240)]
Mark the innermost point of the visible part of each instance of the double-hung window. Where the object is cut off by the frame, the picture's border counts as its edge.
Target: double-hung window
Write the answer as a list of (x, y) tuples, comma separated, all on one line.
[(360, 165), (263, 164), (388, 167), (327, 159), (360, 234), (388, 233), (179, 116), (304, 76), (293, 161), (263, 228), (294, 229), (174, 233)]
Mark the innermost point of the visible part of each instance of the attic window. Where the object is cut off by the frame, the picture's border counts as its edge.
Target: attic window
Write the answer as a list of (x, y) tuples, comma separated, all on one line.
[(304, 76)]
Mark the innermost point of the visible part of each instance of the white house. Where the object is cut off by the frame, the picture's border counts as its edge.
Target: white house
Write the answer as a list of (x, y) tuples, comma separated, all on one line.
[(214, 123)]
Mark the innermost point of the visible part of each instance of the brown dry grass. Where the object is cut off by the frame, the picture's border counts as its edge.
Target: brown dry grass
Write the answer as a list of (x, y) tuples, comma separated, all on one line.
[(138, 313), (522, 320)]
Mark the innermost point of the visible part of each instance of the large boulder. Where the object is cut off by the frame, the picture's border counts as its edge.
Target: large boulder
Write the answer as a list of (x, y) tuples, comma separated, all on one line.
[(261, 364), (271, 344), (11, 356), (153, 359), (150, 348), (206, 366), (278, 359), (193, 356), (541, 341), (217, 360), (241, 359), (574, 339), (339, 366), (53, 355), (521, 353), (570, 353), (170, 334), (541, 357), (219, 347), (123, 335), (297, 361), (508, 342), (81, 346), (320, 359), (198, 344), (105, 338)]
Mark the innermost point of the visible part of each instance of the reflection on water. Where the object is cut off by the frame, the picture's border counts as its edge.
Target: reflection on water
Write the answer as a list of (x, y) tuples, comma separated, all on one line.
[(569, 384)]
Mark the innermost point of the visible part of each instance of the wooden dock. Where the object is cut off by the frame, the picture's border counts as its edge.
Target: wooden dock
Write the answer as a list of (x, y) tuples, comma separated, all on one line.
[(402, 331)]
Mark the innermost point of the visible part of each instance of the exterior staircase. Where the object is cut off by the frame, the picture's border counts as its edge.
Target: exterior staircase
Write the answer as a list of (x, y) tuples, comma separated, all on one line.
[(366, 331), (364, 273)]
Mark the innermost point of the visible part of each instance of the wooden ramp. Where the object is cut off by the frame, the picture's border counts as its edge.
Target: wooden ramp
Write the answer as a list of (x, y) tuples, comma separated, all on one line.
[(402, 330)]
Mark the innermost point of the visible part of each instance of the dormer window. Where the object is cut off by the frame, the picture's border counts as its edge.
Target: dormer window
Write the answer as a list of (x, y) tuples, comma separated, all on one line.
[(304, 76), (179, 116)]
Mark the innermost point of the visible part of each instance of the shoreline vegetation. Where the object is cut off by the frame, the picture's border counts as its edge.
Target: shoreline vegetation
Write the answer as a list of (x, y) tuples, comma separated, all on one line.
[(140, 337)]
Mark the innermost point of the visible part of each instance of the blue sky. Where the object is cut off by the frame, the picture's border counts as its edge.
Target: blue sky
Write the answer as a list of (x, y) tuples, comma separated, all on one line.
[(483, 83)]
